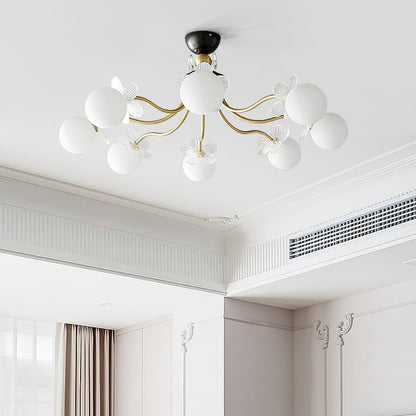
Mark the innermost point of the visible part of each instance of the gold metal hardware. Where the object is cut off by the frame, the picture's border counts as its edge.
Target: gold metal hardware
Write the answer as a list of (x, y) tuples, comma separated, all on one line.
[(202, 135), (235, 111), (202, 58), (157, 121), (154, 105), (250, 120), (243, 131), (166, 133), (250, 107)]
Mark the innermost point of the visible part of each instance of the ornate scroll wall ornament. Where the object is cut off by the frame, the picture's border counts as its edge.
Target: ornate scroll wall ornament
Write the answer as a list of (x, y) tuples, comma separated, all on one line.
[(343, 328), (186, 337), (322, 333)]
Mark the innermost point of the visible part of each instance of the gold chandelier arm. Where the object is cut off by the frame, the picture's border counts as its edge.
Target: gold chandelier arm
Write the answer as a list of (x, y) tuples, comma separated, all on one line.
[(202, 133), (165, 133), (157, 121), (154, 105), (243, 131), (250, 107), (250, 120)]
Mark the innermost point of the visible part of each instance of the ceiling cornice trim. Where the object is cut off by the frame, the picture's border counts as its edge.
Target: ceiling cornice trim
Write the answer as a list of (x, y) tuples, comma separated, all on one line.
[(358, 174), (11, 174)]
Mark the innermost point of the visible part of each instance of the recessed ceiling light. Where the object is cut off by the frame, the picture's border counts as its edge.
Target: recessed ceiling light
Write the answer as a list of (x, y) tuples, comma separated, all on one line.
[(105, 304), (410, 262)]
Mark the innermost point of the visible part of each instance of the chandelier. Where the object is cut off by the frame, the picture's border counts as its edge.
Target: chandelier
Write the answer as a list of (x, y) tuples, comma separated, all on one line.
[(202, 92)]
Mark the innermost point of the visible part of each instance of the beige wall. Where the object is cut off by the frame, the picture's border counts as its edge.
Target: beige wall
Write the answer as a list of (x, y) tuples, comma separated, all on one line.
[(379, 359), (258, 360)]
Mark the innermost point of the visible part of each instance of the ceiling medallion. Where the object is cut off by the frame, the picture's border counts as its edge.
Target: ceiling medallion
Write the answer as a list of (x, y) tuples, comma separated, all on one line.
[(202, 92)]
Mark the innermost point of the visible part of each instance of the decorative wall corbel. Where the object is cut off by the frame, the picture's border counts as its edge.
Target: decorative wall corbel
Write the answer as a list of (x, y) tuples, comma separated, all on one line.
[(321, 333), (186, 337), (343, 328)]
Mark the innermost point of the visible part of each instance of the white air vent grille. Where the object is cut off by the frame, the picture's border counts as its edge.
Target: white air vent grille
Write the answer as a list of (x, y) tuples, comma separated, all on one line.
[(353, 228)]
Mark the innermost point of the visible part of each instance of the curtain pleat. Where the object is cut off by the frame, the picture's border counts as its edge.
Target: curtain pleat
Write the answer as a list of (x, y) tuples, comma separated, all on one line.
[(88, 371)]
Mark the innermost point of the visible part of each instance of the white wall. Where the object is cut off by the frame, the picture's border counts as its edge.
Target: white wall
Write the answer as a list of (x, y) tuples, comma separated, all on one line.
[(379, 360), (149, 363), (258, 360), (143, 369), (205, 359)]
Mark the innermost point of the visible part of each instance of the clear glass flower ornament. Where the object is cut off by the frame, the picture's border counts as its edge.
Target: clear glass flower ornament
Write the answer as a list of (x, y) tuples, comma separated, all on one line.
[(284, 152), (102, 134), (279, 135), (129, 92), (124, 156), (281, 91), (128, 141)]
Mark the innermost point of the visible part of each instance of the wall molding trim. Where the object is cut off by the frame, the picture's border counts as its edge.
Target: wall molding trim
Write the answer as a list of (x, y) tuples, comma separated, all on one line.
[(144, 324), (259, 323), (186, 337), (322, 334), (343, 328), (385, 308)]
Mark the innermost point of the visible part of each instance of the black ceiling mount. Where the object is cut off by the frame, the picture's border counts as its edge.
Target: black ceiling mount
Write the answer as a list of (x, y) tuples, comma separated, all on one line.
[(202, 41)]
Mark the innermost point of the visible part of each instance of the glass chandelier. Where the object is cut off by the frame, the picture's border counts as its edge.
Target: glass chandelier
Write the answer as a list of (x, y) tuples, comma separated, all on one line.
[(202, 92)]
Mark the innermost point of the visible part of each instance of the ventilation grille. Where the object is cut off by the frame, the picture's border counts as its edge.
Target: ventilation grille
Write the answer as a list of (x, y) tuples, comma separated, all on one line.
[(371, 222)]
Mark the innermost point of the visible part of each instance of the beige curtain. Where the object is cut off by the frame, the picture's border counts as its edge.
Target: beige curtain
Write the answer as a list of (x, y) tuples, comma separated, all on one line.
[(88, 372)]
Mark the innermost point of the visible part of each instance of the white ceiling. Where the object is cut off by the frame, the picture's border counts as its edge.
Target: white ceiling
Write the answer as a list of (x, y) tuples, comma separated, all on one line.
[(359, 274), (47, 291), (54, 53)]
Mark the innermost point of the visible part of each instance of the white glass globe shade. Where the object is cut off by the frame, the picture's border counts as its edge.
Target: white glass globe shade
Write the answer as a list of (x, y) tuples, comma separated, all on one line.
[(105, 107), (199, 169), (306, 104), (286, 156), (120, 159), (77, 135), (202, 92), (330, 132)]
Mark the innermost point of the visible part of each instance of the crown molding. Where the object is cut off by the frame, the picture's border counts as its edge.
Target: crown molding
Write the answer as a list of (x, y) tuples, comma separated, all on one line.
[(353, 176), (8, 174), (50, 237)]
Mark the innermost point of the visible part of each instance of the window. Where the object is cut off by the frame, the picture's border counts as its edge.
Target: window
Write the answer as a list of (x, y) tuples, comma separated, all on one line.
[(26, 367)]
